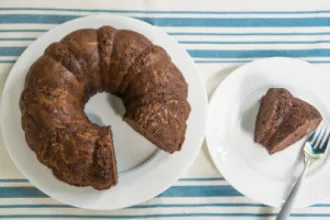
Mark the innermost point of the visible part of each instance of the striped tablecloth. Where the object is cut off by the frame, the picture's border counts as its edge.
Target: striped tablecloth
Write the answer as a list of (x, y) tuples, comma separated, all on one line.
[(219, 35)]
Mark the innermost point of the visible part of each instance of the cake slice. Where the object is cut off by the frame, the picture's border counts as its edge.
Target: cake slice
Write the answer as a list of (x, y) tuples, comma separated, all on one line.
[(273, 108), (283, 120)]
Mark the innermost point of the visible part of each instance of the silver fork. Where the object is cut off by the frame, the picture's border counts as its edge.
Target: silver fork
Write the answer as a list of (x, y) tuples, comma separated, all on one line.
[(314, 149)]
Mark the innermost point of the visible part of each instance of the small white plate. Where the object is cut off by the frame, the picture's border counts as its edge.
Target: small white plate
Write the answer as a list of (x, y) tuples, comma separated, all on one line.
[(230, 128), (144, 170)]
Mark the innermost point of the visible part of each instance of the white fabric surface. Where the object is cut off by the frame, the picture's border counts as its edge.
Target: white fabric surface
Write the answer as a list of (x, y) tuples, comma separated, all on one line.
[(219, 35)]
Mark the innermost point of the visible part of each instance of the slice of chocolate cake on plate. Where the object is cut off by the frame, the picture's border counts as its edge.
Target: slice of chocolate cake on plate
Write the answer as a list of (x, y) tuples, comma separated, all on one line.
[(283, 120)]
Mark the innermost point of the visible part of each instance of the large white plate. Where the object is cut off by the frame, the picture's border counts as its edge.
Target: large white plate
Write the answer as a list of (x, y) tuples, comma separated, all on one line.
[(144, 171), (231, 120)]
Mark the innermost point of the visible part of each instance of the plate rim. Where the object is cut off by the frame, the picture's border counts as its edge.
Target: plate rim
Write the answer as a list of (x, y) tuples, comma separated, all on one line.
[(203, 98), (211, 148)]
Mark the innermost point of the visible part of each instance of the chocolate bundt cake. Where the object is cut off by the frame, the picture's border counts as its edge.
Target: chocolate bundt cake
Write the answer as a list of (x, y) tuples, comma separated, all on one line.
[(83, 63), (283, 120)]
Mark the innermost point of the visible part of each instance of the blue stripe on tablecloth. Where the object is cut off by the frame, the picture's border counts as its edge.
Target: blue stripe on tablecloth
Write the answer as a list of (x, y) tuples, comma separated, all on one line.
[(21, 192), (174, 191), (222, 61), (197, 205), (238, 22), (247, 34), (200, 191), (35, 206), (11, 51), (142, 216), (195, 33), (18, 206), (174, 215), (202, 179), (254, 42), (204, 53), (210, 61), (204, 42), (180, 22), (182, 205), (163, 205), (17, 39), (259, 53), (181, 179), (7, 61), (247, 61), (13, 180), (22, 30), (162, 12)]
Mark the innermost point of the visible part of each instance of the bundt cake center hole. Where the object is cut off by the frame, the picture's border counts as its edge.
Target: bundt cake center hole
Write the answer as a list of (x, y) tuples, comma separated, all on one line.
[(101, 105), (132, 150)]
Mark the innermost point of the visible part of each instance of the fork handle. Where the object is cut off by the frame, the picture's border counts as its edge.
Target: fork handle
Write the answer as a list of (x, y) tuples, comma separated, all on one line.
[(287, 207)]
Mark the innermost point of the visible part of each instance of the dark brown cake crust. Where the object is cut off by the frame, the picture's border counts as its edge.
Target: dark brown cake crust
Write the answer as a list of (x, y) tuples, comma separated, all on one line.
[(83, 63), (283, 120)]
